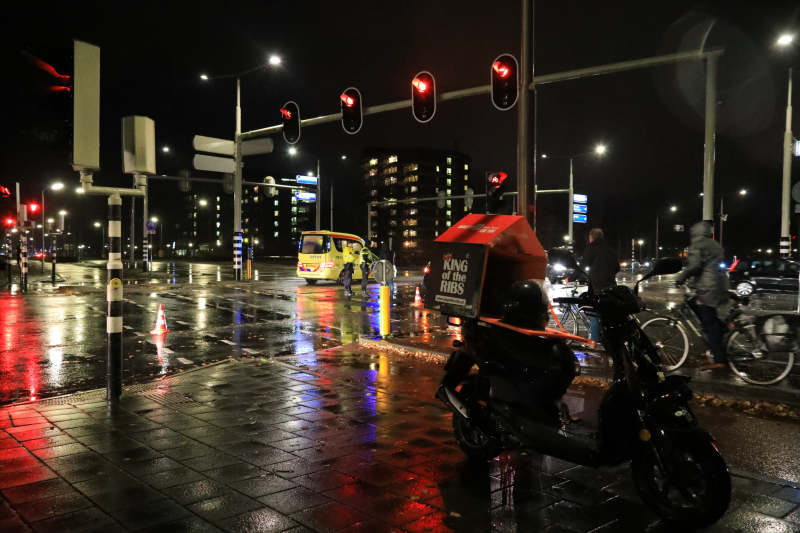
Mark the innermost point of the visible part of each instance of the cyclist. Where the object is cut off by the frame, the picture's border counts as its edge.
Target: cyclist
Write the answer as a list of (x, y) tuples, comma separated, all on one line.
[(710, 285), (601, 263)]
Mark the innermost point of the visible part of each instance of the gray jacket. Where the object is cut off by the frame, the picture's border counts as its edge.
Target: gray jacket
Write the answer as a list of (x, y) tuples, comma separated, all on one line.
[(703, 270)]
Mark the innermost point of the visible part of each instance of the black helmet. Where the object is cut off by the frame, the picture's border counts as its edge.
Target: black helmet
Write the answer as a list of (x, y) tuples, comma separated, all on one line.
[(525, 305)]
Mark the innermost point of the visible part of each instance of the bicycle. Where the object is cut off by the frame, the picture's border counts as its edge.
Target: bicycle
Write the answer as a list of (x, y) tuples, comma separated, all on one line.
[(573, 320), (757, 353)]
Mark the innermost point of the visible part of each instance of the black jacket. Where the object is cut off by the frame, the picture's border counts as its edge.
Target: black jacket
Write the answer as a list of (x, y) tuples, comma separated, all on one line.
[(602, 264)]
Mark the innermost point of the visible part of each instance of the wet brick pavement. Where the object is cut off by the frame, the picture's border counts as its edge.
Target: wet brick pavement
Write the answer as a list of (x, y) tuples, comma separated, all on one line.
[(257, 446)]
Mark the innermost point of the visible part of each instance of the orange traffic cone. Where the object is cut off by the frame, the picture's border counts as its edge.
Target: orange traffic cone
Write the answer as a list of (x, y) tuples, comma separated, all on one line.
[(161, 322), (417, 299), (159, 339)]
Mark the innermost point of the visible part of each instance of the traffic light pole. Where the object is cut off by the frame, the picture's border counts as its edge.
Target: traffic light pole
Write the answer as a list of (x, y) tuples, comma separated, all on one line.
[(525, 156), (571, 241), (145, 235), (319, 198), (786, 239)]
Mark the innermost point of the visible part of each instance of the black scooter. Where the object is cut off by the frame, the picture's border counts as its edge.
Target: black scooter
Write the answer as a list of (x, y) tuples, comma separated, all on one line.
[(644, 417)]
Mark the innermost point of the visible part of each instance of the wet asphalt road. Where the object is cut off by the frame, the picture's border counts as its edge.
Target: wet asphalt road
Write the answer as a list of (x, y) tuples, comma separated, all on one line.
[(53, 341)]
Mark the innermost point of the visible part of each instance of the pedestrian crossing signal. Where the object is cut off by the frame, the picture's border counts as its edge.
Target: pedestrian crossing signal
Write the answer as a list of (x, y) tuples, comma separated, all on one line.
[(351, 110), (290, 118)]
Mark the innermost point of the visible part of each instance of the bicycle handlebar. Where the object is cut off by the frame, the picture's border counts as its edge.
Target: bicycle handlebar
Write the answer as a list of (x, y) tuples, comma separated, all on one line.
[(566, 300)]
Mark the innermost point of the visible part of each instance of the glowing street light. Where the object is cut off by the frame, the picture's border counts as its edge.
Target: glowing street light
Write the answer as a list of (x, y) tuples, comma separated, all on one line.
[(203, 77), (97, 224), (274, 60), (292, 151), (203, 202), (57, 186), (743, 192), (673, 208), (165, 149), (785, 39), (601, 149)]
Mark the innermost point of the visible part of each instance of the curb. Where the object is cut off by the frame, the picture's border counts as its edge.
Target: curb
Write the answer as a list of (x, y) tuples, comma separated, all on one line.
[(366, 341)]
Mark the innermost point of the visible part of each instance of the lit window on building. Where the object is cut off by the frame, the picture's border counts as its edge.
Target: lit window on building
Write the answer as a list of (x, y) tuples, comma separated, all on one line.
[(218, 207), (392, 159), (276, 223), (411, 244), (294, 199), (275, 213), (373, 162), (449, 223), (449, 160), (466, 167), (218, 224), (449, 171), (275, 234), (466, 178), (275, 202), (466, 187), (437, 168), (412, 212), (412, 168), (449, 213), (449, 182), (218, 234), (414, 188), (448, 192), (294, 221), (466, 208), (373, 193), (255, 199), (218, 198), (373, 172)]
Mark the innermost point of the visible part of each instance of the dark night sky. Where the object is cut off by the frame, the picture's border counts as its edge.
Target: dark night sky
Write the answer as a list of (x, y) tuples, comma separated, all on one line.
[(650, 120)]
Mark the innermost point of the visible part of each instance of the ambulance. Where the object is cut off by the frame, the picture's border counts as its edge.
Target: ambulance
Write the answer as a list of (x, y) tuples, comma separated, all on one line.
[(323, 254)]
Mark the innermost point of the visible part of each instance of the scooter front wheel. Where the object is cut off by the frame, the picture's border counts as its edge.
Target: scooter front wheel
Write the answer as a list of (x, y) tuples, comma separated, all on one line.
[(473, 442), (694, 488)]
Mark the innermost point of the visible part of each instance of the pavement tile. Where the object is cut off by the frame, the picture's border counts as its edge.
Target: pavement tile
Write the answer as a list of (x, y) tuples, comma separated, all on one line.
[(105, 484), (150, 514), (73, 415), (510, 520), (209, 462), (590, 476), (188, 452), (36, 431), (263, 520), (753, 485), (324, 480), (48, 442), (358, 494), (150, 466), (19, 463), (521, 498), (371, 526), (133, 455), (383, 475), (397, 510), (153, 434), (789, 494), (60, 451), (267, 456), (14, 453), (402, 459), (75, 422), (577, 492), (128, 497), (53, 506), (321, 453), (224, 506), (449, 454), (263, 485), (92, 470), (233, 473), (193, 524), (24, 477), (348, 464), (293, 445), (36, 491), (196, 491), (575, 516), (29, 421), (188, 424), (742, 520), (763, 504), (329, 517), (371, 449), (170, 442), (293, 500), (89, 519), (221, 439), (116, 445), (294, 468), (204, 431), (420, 488), (69, 462), (90, 429), (171, 478)]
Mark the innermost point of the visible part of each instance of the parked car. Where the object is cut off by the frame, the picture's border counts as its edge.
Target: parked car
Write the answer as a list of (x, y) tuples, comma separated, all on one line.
[(626, 265), (748, 276)]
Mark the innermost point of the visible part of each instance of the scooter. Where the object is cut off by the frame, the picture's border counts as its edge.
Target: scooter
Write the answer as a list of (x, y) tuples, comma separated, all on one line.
[(644, 418)]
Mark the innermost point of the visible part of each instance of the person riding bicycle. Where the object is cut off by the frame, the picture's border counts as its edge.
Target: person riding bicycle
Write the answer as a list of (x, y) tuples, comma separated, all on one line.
[(710, 285)]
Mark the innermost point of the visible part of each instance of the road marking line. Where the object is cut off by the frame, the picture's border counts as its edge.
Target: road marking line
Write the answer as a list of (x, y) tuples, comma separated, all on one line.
[(126, 327), (181, 323), (138, 334), (185, 361), (227, 342), (211, 335), (248, 350)]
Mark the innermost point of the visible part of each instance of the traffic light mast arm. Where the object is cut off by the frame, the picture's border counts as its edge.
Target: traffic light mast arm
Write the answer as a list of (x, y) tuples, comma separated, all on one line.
[(487, 89)]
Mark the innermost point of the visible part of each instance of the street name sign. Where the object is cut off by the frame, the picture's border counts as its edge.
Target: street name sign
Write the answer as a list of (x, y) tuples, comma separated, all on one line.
[(580, 198), (581, 219), (226, 147), (307, 180), (306, 196), (579, 208), (214, 164)]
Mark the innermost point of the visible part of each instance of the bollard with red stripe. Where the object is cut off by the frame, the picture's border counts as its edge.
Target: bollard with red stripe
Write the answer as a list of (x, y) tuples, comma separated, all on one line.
[(161, 322)]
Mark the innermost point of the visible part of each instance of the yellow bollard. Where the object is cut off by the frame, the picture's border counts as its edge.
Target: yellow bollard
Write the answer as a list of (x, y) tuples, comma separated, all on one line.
[(385, 302), (248, 269)]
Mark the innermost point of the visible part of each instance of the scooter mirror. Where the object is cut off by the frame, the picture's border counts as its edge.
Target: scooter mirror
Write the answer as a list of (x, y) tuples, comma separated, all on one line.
[(668, 265)]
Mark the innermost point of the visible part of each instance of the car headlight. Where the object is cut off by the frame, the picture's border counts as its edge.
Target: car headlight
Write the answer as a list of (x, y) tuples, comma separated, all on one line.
[(559, 268)]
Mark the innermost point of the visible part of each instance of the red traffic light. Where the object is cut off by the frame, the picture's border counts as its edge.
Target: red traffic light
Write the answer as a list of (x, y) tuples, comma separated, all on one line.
[(4, 192), (286, 113), (9, 222), (420, 85), (501, 69), (497, 179), (33, 208), (349, 101)]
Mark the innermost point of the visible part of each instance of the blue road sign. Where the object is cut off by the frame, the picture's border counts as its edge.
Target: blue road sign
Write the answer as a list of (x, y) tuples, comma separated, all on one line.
[(582, 219), (306, 196), (151, 226), (307, 180), (580, 198), (579, 208)]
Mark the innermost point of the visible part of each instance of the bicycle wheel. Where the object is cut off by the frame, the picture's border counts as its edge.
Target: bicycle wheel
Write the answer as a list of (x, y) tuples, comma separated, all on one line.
[(566, 316), (582, 324), (669, 339), (754, 365)]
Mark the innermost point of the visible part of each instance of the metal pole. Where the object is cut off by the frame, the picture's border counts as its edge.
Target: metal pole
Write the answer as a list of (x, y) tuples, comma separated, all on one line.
[(53, 258), (710, 138), (786, 239), (524, 115), (569, 204), (633, 253), (331, 207), (369, 223), (319, 206), (145, 236), (237, 188), (133, 231), (23, 274), (43, 224), (114, 299), (721, 218), (656, 238)]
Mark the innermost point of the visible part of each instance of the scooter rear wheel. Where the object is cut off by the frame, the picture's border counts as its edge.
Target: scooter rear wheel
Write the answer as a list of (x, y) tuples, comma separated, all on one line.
[(696, 490)]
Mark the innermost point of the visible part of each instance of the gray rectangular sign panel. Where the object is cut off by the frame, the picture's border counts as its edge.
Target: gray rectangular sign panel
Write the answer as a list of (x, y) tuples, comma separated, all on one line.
[(86, 107), (214, 164), (257, 146), (212, 145)]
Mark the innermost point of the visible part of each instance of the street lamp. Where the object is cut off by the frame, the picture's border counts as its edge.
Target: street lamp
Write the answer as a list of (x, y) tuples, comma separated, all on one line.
[(640, 242), (672, 209), (103, 242), (785, 244), (237, 155), (599, 151), (54, 187)]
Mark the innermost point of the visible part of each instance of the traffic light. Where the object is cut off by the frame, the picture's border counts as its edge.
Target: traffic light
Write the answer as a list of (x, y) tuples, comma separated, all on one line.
[(423, 96), (33, 209), (290, 118), (351, 110), (495, 188), (505, 82)]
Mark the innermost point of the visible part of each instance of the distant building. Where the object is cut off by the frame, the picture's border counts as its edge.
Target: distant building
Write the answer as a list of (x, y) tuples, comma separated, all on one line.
[(397, 175), (272, 225), (203, 225)]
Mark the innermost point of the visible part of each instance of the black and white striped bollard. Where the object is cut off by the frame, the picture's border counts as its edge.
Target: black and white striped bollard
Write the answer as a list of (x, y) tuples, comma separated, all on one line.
[(114, 298), (23, 273), (237, 255), (53, 257)]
